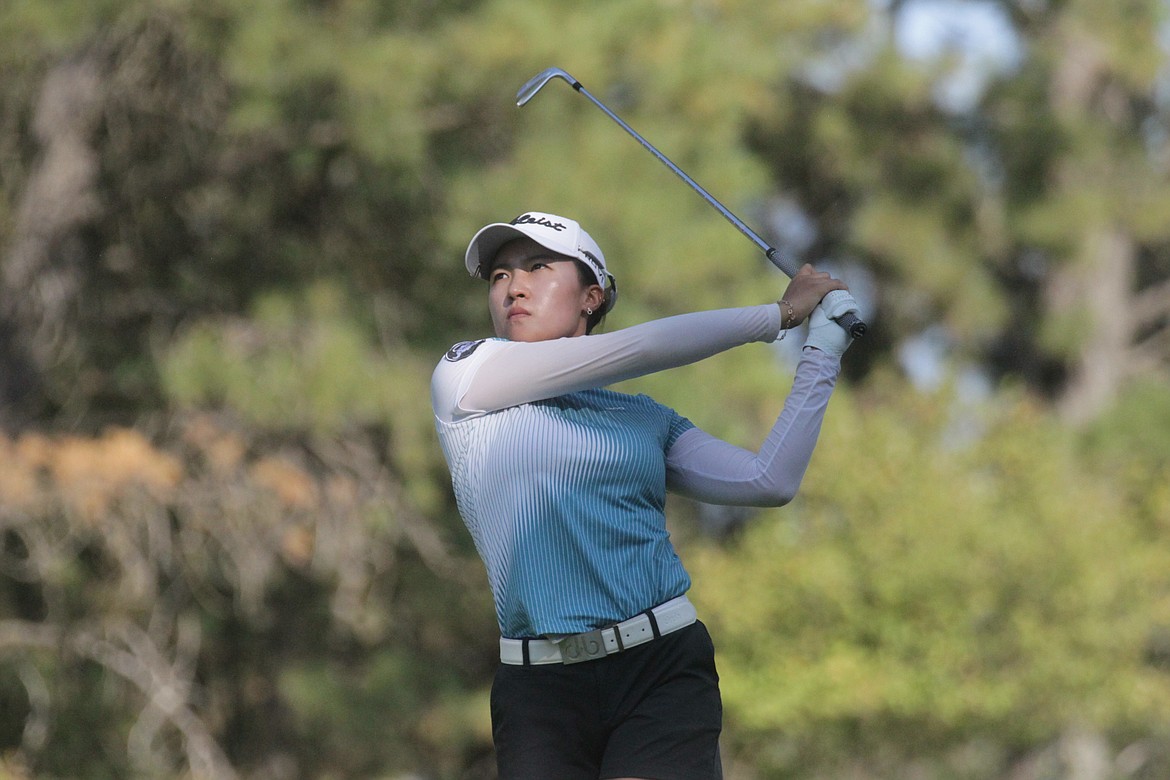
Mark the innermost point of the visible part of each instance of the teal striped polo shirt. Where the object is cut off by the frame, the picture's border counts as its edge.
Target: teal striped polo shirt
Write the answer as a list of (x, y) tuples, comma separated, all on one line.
[(562, 484)]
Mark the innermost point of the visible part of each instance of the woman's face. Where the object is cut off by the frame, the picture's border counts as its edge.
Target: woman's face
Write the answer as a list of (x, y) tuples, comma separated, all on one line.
[(535, 294)]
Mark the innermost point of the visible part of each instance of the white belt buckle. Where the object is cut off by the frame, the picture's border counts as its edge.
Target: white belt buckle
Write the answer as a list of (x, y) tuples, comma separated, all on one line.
[(582, 647)]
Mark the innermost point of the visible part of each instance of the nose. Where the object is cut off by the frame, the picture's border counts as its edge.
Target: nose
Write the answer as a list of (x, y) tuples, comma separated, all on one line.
[(518, 284)]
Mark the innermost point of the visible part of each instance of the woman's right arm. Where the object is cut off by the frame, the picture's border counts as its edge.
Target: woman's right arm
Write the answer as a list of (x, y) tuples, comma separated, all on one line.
[(508, 373)]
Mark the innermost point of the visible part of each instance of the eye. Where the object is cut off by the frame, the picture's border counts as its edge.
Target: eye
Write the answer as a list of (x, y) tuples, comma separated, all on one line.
[(498, 275), (539, 264)]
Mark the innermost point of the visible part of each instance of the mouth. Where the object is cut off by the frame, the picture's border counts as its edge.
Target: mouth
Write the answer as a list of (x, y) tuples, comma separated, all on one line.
[(514, 313)]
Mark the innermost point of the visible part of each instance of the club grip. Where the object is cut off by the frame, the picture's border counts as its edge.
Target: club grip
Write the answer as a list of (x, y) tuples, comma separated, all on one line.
[(853, 324)]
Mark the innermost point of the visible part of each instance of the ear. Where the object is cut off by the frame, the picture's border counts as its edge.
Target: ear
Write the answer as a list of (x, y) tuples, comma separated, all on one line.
[(594, 297)]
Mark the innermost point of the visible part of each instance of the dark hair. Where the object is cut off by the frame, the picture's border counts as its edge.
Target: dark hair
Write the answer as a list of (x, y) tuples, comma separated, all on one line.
[(587, 277)]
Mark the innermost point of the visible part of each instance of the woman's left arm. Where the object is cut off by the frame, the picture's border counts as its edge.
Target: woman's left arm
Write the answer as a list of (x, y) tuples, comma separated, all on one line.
[(708, 469)]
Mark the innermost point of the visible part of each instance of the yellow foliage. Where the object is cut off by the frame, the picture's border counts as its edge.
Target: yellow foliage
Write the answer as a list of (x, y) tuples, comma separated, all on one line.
[(12, 767), (18, 477), (294, 488), (297, 544), (223, 450), (89, 474)]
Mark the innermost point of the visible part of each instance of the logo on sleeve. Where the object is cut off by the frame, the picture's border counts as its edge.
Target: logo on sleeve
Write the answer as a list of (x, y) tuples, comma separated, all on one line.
[(462, 350)]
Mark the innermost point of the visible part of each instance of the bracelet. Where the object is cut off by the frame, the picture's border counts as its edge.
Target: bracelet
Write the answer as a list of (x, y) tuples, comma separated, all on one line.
[(790, 318)]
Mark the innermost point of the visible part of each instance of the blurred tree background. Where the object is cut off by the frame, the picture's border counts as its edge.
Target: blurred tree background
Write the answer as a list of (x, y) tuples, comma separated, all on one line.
[(230, 255)]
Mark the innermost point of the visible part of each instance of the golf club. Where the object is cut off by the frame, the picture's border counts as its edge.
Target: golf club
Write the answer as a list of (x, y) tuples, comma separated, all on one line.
[(849, 321)]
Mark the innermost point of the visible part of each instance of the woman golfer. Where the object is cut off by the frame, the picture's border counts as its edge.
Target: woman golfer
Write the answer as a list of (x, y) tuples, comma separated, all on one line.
[(605, 672)]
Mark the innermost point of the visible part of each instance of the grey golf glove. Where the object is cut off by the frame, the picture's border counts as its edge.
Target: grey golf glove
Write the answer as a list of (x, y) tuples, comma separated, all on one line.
[(823, 333)]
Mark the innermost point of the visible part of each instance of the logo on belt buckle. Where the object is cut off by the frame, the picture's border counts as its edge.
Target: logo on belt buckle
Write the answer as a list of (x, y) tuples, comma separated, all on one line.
[(583, 647)]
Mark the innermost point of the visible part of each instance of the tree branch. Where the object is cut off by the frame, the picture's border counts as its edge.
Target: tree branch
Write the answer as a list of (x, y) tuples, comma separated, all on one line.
[(127, 651)]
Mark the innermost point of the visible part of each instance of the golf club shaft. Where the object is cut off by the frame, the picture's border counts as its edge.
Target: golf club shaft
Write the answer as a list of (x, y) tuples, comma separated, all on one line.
[(849, 321)]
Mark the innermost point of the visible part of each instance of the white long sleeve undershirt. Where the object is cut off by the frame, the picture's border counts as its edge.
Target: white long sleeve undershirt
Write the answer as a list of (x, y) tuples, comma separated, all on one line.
[(521, 372), (711, 470), (699, 465)]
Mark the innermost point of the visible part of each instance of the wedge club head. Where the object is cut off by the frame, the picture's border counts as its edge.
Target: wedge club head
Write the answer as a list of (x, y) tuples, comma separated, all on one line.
[(534, 84)]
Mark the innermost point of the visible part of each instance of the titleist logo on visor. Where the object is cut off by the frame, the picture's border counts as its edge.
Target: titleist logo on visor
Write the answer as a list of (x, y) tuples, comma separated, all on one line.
[(528, 219), (594, 262)]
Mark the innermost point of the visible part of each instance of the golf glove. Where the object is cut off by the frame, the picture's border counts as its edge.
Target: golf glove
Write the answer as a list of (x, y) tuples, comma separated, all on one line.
[(825, 334)]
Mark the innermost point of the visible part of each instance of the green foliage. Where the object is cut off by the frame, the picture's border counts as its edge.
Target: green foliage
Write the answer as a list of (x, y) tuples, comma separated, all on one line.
[(272, 234), (30, 28), (292, 364), (307, 365), (1131, 444), (922, 597), (1137, 428)]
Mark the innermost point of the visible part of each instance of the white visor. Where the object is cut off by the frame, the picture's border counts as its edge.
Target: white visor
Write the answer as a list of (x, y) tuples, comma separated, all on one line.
[(559, 234)]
